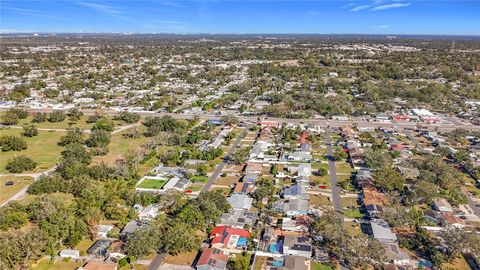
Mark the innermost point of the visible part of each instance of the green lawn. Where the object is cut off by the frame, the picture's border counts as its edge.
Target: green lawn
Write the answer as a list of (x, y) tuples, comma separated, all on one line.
[(84, 245), (120, 146), (46, 264), (352, 228), (320, 180), (43, 149), (152, 183), (319, 200), (60, 125), (343, 168), (199, 179), (355, 213), (318, 165), (320, 266), (194, 188), (18, 184)]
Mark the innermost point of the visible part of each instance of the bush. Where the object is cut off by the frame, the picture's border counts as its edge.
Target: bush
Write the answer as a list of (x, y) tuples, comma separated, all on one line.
[(20, 164), (12, 143), (12, 116), (56, 116), (322, 172), (128, 117), (122, 263), (30, 130), (99, 138), (104, 124), (39, 117)]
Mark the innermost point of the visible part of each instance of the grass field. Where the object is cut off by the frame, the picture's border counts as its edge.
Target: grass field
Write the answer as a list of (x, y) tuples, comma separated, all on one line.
[(320, 266), (60, 125), (43, 149), (352, 228), (18, 184), (152, 183), (46, 264), (225, 191), (194, 188), (318, 165), (84, 245), (227, 180), (120, 146), (182, 258), (355, 213), (349, 201), (199, 179), (259, 262), (320, 180), (319, 200), (343, 168)]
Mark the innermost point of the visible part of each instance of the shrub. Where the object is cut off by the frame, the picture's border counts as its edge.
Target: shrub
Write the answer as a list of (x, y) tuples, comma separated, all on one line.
[(20, 164), (39, 117), (30, 130), (12, 143), (56, 116)]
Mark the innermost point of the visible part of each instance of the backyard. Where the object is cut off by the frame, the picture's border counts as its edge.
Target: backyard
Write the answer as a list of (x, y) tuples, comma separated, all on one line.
[(152, 183)]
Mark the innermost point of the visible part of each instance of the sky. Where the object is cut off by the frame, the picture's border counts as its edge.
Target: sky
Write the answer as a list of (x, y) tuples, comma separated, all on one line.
[(430, 17)]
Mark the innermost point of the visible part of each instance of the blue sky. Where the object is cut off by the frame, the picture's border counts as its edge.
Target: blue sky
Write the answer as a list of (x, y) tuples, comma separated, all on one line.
[(451, 17)]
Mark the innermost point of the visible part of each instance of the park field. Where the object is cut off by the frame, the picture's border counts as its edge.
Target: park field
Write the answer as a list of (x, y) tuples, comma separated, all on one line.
[(19, 183), (119, 146), (43, 149)]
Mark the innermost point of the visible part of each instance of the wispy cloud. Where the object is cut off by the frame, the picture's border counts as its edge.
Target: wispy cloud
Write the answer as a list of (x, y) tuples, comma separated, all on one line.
[(35, 13), (391, 6), (361, 7), (102, 8), (383, 26)]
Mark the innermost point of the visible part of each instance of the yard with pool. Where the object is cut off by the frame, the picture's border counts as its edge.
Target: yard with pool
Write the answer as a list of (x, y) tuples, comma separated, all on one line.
[(152, 183)]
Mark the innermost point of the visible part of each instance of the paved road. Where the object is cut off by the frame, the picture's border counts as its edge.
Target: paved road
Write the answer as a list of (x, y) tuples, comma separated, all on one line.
[(225, 160), (23, 191), (157, 261), (336, 199), (443, 126)]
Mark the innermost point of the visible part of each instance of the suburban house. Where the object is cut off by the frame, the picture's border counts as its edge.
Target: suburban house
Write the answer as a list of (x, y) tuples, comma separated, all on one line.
[(240, 201), (294, 263), (228, 237), (237, 218), (212, 259), (299, 224), (295, 191), (297, 246), (149, 212), (442, 205), (292, 207), (70, 253), (103, 230), (300, 155), (99, 248), (131, 227), (253, 168), (382, 231)]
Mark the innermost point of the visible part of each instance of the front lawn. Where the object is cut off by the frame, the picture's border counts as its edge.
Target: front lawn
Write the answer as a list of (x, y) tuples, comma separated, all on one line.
[(319, 200), (199, 179), (46, 264), (320, 266)]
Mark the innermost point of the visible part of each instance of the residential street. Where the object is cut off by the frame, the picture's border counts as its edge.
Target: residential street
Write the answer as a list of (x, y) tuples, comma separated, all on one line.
[(225, 160), (336, 199)]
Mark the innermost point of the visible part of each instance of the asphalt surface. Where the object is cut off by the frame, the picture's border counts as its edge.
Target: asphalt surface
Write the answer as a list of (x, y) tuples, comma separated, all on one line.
[(336, 199), (157, 261), (225, 160)]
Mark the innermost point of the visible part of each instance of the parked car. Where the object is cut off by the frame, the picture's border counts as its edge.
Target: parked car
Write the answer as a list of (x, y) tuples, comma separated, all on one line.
[(9, 183)]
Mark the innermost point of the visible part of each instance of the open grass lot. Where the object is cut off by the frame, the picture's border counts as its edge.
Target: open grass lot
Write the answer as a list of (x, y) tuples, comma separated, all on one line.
[(320, 180), (194, 188), (457, 264), (60, 125), (199, 179), (318, 165), (182, 258), (18, 184), (353, 228), (43, 149), (320, 266), (152, 183), (353, 213), (349, 201), (225, 191), (259, 262), (46, 264), (319, 200), (120, 146), (84, 245), (227, 180), (343, 168)]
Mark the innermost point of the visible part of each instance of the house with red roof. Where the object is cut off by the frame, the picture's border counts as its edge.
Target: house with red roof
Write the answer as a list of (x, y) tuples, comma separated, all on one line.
[(212, 259), (229, 238)]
